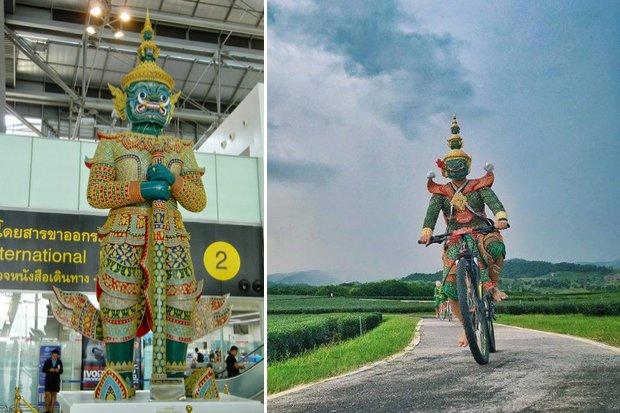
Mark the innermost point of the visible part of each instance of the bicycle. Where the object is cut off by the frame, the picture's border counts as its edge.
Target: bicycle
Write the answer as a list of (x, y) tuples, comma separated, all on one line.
[(477, 308), (445, 311)]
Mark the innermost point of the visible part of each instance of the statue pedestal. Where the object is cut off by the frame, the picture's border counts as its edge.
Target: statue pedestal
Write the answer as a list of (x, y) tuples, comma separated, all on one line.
[(83, 402)]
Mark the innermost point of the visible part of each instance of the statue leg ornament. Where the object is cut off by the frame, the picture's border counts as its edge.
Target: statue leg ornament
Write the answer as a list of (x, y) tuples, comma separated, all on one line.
[(175, 358), (122, 309), (450, 255), (179, 333), (492, 251), (182, 292), (116, 382)]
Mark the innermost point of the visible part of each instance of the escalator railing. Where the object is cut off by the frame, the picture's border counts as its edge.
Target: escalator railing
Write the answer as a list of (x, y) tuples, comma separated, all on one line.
[(250, 357), (250, 382)]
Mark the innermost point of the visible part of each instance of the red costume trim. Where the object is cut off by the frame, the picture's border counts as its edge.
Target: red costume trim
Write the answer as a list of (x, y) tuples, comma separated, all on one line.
[(146, 323), (435, 188), (475, 184), (472, 185)]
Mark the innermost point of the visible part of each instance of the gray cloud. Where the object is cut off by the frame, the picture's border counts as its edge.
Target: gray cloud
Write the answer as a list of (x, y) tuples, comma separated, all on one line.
[(424, 68), (382, 115), (300, 172)]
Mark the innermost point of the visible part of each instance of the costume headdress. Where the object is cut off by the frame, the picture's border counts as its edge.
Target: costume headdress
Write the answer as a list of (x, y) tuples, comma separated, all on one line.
[(145, 70), (455, 143)]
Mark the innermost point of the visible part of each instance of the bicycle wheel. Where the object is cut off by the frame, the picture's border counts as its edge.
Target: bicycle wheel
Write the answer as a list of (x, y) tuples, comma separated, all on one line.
[(490, 313), (473, 313)]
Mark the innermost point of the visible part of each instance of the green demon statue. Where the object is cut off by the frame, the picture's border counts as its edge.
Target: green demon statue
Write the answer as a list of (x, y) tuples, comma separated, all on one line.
[(146, 279), (462, 202)]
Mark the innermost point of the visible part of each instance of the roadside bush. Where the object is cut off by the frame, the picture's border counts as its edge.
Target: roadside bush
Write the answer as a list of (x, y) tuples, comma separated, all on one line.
[(290, 336), (319, 305)]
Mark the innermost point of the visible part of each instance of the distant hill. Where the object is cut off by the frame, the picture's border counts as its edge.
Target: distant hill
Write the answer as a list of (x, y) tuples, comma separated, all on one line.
[(519, 268), (420, 276), (615, 264), (515, 268), (313, 277)]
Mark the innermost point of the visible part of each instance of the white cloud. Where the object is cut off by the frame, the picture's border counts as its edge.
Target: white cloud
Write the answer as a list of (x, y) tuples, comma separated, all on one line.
[(364, 220)]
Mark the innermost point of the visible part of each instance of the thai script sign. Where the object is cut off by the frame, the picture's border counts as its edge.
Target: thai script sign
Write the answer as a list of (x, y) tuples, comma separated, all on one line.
[(39, 250)]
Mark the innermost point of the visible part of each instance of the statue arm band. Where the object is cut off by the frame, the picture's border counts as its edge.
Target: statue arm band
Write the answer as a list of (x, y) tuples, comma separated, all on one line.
[(426, 231), (190, 192), (105, 192), (432, 213)]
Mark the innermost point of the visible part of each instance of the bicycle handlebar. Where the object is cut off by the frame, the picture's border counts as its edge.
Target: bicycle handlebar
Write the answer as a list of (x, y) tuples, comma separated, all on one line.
[(438, 239)]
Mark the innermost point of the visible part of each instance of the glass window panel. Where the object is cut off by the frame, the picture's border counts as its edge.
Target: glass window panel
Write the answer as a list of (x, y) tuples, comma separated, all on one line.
[(237, 189), (55, 174), (26, 324), (15, 170)]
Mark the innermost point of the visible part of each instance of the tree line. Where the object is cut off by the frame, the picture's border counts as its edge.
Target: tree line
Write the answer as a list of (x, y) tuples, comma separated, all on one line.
[(387, 288)]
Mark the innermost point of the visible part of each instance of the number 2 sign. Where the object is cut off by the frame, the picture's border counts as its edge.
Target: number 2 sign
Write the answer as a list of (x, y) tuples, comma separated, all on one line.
[(221, 260)]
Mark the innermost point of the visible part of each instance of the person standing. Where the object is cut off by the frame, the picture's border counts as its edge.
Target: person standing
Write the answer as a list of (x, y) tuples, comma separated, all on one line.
[(200, 358), (232, 367), (52, 369)]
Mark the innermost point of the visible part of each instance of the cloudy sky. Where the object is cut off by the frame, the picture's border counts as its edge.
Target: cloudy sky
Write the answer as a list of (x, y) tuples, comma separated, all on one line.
[(360, 95)]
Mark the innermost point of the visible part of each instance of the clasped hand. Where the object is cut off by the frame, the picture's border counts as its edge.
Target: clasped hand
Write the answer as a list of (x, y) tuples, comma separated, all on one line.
[(158, 183)]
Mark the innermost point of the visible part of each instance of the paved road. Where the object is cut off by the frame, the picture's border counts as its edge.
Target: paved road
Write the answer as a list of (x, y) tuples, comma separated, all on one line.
[(531, 371)]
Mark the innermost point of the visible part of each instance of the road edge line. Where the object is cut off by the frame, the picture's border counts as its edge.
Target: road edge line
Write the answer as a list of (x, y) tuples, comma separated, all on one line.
[(414, 342), (553, 333)]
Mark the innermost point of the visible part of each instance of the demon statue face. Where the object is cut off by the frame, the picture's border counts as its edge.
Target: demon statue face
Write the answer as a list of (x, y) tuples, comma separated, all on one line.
[(145, 98), (149, 106), (457, 168)]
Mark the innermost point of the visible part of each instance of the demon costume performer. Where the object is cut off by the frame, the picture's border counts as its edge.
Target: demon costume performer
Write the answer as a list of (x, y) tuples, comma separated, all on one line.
[(146, 278), (462, 203)]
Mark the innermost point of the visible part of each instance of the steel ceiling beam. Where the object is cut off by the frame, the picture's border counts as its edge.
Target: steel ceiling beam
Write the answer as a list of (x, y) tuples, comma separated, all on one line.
[(74, 41), (108, 49), (189, 72), (198, 22), (232, 5), (24, 121), (190, 48), (232, 97), (26, 49), (2, 73), (103, 71), (59, 99), (195, 8)]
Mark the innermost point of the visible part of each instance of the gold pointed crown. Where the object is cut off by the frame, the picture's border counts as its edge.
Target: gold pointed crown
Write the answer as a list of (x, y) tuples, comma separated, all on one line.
[(147, 69), (455, 143)]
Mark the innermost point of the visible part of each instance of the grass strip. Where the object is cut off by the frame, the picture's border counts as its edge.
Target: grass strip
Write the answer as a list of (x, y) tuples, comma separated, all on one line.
[(605, 329), (391, 336)]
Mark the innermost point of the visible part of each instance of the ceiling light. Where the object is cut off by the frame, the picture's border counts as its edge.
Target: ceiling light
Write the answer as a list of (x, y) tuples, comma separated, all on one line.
[(118, 34), (95, 11), (125, 16), (91, 30)]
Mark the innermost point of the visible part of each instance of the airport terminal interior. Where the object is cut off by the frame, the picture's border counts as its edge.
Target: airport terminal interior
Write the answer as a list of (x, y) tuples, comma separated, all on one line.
[(59, 57)]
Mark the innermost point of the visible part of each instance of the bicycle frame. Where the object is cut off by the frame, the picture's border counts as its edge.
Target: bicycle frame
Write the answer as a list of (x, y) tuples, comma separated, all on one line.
[(466, 254), (471, 293)]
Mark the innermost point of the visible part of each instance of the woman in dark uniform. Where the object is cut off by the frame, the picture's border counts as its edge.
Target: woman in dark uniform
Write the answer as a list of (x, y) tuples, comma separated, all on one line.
[(52, 369)]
